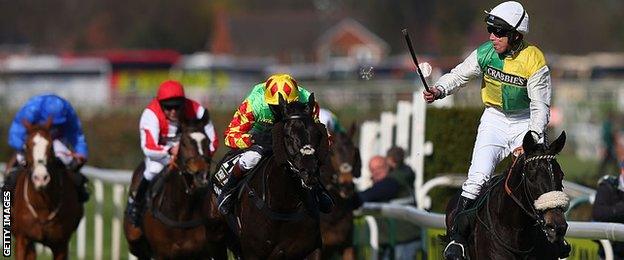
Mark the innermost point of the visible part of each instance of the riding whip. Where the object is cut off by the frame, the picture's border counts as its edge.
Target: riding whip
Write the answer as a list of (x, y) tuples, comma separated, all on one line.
[(413, 53)]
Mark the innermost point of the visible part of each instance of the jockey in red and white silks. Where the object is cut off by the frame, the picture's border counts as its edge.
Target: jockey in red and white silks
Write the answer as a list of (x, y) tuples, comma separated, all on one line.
[(159, 134)]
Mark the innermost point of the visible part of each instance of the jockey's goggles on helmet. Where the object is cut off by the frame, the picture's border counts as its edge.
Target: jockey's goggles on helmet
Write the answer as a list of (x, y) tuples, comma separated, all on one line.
[(498, 26), (172, 103), (498, 32)]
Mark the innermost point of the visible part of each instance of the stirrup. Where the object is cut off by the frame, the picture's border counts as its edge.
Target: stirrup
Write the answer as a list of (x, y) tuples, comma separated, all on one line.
[(460, 245)]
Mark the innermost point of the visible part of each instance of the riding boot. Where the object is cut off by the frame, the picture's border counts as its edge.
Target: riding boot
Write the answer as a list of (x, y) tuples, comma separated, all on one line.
[(225, 198), (135, 202), (325, 201), (456, 249), (80, 181), (10, 180)]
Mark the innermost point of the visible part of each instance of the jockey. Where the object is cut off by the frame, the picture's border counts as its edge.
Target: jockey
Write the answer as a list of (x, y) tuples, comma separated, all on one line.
[(516, 91), (250, 130), (158, 129), (66, 131), (330, 121)]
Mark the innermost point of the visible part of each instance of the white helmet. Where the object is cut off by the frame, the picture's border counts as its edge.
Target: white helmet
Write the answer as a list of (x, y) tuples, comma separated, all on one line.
[(509, 15)]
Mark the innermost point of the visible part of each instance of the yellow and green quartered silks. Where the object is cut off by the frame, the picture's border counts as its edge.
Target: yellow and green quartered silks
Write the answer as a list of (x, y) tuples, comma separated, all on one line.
[(505, 80)]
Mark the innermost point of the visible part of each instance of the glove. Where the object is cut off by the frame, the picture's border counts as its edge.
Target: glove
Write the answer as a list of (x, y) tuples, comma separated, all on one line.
[(20, 159), (436, 92), (539, 138), (76, 164), (262, 138)]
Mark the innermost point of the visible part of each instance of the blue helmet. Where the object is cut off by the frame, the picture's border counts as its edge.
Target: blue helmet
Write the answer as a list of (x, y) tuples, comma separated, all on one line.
[(54, 107)]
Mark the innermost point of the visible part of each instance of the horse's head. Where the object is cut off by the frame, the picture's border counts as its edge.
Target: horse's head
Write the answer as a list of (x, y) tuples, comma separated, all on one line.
[(346, 162), (39, 153), (194, 157), (298, 141), (543, 185)]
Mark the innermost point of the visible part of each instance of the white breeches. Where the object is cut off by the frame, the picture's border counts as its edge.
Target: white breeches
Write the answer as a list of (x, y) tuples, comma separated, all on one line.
[(249, 159), (154, 167), (497, 137)]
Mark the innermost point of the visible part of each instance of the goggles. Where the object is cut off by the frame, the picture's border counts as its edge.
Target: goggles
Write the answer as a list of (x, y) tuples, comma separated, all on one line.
[(498, 32)]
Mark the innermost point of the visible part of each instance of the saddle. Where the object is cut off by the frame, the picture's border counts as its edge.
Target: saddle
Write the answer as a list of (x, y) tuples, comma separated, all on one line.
[(225, 167)]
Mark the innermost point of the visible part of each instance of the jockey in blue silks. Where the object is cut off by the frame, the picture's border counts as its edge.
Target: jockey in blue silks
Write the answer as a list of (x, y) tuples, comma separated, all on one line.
[(66, 131)]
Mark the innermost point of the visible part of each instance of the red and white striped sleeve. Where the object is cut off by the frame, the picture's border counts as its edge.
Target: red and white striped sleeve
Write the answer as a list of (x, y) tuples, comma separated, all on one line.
[(149, 132), (210, 131)]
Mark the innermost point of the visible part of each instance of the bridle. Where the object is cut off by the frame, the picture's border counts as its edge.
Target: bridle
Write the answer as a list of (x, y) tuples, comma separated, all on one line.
[(306, 150), (181, 171), (30, 169), (533, 212), (339, 168)]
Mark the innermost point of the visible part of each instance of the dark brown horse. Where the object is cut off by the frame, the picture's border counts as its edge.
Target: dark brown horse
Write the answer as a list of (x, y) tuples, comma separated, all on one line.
[(520, 215), (337, 177), (176, 224), (277, 216), (46, 207)]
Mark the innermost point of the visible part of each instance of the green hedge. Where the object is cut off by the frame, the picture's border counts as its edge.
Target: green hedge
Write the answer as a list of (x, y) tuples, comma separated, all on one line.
[(452, 132)]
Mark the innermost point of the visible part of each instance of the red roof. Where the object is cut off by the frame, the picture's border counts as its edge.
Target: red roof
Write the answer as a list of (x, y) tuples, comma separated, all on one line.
[(163, 56)]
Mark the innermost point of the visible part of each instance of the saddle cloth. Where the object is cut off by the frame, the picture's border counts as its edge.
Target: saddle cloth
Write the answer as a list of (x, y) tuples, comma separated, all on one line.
[(221, 176)]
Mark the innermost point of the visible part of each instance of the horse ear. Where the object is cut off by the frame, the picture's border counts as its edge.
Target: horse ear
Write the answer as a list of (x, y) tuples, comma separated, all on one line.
[(184, 122), (557, 145), (48, 123), (528, 143), (282, 103), (27, 125), (311, 103), (352, 130)]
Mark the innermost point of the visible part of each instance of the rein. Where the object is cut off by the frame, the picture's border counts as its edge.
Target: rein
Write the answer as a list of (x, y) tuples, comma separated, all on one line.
[(533, 214), (32, 209), (187, 190), (263, 205)]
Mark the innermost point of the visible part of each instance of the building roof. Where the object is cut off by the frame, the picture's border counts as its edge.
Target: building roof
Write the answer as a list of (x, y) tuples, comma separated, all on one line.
[(288, 36)]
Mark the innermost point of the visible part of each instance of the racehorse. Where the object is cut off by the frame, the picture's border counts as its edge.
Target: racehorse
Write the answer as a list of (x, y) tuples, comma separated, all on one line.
[(520, 215), (46, 207), (277, 216), (337, 177), (176, 223)]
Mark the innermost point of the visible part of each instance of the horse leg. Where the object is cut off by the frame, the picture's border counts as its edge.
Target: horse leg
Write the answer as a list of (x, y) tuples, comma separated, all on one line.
[(24, 248), (59, 251)]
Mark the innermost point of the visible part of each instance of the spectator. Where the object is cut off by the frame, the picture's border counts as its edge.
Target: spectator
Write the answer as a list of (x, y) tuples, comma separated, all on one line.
[(404, 236), (395, 157), (609, 160), (609, 206)]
